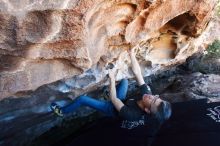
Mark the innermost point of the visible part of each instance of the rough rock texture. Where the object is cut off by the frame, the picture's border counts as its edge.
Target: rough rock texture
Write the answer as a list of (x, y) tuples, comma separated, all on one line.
[(191, 87), (45, 41)]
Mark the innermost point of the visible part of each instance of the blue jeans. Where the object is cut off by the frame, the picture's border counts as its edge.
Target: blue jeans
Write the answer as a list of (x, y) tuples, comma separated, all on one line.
[(105, 107)]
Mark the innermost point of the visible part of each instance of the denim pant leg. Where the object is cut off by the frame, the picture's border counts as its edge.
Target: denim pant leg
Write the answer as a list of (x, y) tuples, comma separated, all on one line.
[(122, 89), (103, 106)]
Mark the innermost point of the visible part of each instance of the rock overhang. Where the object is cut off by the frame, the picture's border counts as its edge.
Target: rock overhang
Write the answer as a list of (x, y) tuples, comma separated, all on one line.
[(50, 41)]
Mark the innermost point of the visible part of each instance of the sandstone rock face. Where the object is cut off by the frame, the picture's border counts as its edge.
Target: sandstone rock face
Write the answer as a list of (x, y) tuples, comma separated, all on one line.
[(45, 41)]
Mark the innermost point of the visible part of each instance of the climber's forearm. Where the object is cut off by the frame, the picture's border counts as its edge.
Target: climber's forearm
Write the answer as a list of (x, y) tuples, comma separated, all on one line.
[(140, 79), (118, 104), (136, 69)]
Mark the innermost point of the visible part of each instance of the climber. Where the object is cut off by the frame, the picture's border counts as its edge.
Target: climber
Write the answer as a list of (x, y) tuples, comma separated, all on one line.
[(136, 110)]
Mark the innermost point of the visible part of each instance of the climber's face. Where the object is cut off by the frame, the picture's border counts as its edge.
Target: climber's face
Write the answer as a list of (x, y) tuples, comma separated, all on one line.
[(151, 103)]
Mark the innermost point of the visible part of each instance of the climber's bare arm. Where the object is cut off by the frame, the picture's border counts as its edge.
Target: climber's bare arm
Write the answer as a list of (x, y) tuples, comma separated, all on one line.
[(136, 67), (113, 96)]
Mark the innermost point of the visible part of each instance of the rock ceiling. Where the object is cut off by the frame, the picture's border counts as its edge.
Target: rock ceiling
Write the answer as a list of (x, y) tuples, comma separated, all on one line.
[(45, 41)]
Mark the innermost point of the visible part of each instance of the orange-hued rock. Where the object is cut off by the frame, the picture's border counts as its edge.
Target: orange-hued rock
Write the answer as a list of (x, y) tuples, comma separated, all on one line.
[(45, 41), (158, 14)]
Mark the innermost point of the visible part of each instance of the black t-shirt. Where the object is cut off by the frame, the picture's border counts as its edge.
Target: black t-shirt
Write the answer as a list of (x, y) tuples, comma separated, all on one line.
[(194, 123), (108, 132), (132, 115)]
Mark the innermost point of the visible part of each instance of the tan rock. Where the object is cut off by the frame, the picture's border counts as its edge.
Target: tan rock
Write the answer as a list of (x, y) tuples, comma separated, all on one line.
[(44, 41), (159, 13)]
